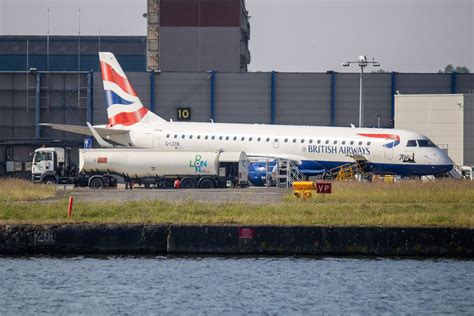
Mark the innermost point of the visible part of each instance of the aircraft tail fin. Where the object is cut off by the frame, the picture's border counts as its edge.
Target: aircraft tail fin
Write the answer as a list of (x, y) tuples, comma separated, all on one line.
[(123, 105)]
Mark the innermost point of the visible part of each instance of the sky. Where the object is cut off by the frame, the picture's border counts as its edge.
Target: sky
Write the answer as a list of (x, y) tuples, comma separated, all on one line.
[(290, 35)]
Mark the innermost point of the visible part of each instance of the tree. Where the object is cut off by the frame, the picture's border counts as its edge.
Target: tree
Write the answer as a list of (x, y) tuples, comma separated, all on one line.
[(462, 70), (459, 69)]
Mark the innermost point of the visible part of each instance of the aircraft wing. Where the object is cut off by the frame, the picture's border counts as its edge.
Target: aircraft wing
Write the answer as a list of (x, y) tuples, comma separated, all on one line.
[(84, 130)]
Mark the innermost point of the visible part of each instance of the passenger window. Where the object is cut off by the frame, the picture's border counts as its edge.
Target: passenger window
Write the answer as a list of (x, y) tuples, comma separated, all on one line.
[(175, 135), (319, 141), (286, 140), (258, 139), (276, 139), (227, 138), (213, 137), (368, 143), (242, 139), (360, 143), (183, 136), (335, 142), (190, 136), (167, 135), (310, 141), (220, 137), (206, 137), (250, 139), (268, 139), (302, 141), (199, 137), (327, 141), (352, 142), (411, 143), (235, 137), (343, 142), (294, 140)]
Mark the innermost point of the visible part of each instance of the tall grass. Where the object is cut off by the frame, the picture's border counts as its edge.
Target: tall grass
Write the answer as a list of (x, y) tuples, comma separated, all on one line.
[(407, 204), (14, 190), (441, 191)]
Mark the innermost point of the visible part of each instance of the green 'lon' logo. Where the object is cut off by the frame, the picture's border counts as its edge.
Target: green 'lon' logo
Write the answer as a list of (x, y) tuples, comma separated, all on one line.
[(198, 164)]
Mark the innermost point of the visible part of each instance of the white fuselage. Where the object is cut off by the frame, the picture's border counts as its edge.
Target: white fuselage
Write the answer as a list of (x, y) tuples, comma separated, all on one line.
[(315, 148)]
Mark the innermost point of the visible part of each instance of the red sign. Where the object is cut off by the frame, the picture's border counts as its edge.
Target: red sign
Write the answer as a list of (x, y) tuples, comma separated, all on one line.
[(102, 160), (246, 233), (323, 188)]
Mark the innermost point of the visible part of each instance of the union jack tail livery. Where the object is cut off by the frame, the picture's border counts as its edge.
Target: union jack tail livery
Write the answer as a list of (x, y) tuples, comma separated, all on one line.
[(123, 105)]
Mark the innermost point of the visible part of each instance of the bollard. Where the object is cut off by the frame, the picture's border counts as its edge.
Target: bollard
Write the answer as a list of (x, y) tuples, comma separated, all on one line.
[(69, 208)]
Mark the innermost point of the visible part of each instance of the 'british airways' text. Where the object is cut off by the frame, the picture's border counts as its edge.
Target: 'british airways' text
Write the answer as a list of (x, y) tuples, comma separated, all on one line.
[(344, 150)]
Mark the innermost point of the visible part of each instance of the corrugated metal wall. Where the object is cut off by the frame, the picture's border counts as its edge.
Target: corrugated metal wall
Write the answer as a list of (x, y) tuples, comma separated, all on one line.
[(242, 97), (20, 53), (298, 98), (469, 129), (303, 98)]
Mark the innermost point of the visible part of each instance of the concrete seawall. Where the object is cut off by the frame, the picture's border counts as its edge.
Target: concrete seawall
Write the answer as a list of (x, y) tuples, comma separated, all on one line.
[(223, 239)]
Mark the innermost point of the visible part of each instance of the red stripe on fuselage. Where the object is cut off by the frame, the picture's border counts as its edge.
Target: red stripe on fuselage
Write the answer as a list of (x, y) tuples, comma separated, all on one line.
[(384, 136), (109, 74), (128, 118)]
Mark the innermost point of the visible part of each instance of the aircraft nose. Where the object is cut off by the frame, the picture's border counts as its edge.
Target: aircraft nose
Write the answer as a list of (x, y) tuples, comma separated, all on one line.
[(444, 161), (444, 158), (440, 161)]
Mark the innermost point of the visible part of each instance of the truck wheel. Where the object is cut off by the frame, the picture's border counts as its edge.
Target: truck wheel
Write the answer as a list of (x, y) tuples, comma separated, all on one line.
[(97, 184), (49, 180), (207, 184), (187, 183)]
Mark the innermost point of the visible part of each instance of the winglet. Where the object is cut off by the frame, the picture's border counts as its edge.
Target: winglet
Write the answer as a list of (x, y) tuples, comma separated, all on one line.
[(99, 138)]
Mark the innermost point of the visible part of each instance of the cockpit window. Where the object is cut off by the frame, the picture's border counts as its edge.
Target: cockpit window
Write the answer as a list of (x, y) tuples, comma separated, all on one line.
[(40, 156), (425, 143), (411, 143)]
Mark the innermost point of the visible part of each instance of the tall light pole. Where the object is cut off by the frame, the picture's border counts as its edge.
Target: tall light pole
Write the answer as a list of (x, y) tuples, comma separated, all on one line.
[(362, 63)]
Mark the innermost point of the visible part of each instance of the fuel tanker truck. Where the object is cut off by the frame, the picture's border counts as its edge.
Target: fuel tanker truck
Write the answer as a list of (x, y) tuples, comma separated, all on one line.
[(100, 168)]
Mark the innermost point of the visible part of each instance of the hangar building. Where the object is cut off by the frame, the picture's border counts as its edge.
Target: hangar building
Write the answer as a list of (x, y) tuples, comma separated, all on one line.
[(66, 88)]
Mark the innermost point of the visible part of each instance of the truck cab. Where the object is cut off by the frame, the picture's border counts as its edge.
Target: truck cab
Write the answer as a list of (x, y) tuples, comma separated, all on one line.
[(467, 172), (51, 165)]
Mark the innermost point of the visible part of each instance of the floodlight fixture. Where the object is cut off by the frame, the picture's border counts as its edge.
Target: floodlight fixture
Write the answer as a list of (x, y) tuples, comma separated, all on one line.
[(361, 62)]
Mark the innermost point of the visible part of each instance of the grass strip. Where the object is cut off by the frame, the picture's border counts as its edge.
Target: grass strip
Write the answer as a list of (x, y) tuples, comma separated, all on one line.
[(12, 190), (406, 204), (160, 212)]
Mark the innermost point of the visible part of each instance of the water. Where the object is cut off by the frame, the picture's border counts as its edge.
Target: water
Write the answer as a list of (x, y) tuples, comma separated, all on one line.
[(226, 285)]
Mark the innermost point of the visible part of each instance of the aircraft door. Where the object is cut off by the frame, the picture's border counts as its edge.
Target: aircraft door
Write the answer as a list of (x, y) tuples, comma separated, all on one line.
[(276, 143), (388, 152), (156, 139)]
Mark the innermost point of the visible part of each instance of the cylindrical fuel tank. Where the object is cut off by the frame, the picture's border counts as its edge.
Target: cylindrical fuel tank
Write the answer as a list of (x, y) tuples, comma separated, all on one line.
[(147, 162)]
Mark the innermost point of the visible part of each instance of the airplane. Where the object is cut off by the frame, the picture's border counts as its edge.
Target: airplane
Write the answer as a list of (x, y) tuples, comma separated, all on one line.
[(315, 149)]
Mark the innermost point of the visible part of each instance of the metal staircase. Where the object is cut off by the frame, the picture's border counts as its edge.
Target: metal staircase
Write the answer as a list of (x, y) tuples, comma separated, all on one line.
[(287, 172), (456, 172), (347, 171)]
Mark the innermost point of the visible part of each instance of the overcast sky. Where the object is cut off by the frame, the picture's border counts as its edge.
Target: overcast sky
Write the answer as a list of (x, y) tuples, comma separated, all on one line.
[(290, 35)]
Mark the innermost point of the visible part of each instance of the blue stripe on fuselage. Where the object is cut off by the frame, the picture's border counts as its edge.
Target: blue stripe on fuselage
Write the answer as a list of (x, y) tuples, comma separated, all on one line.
[(382, 168), (113, 98), (311, 168)]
